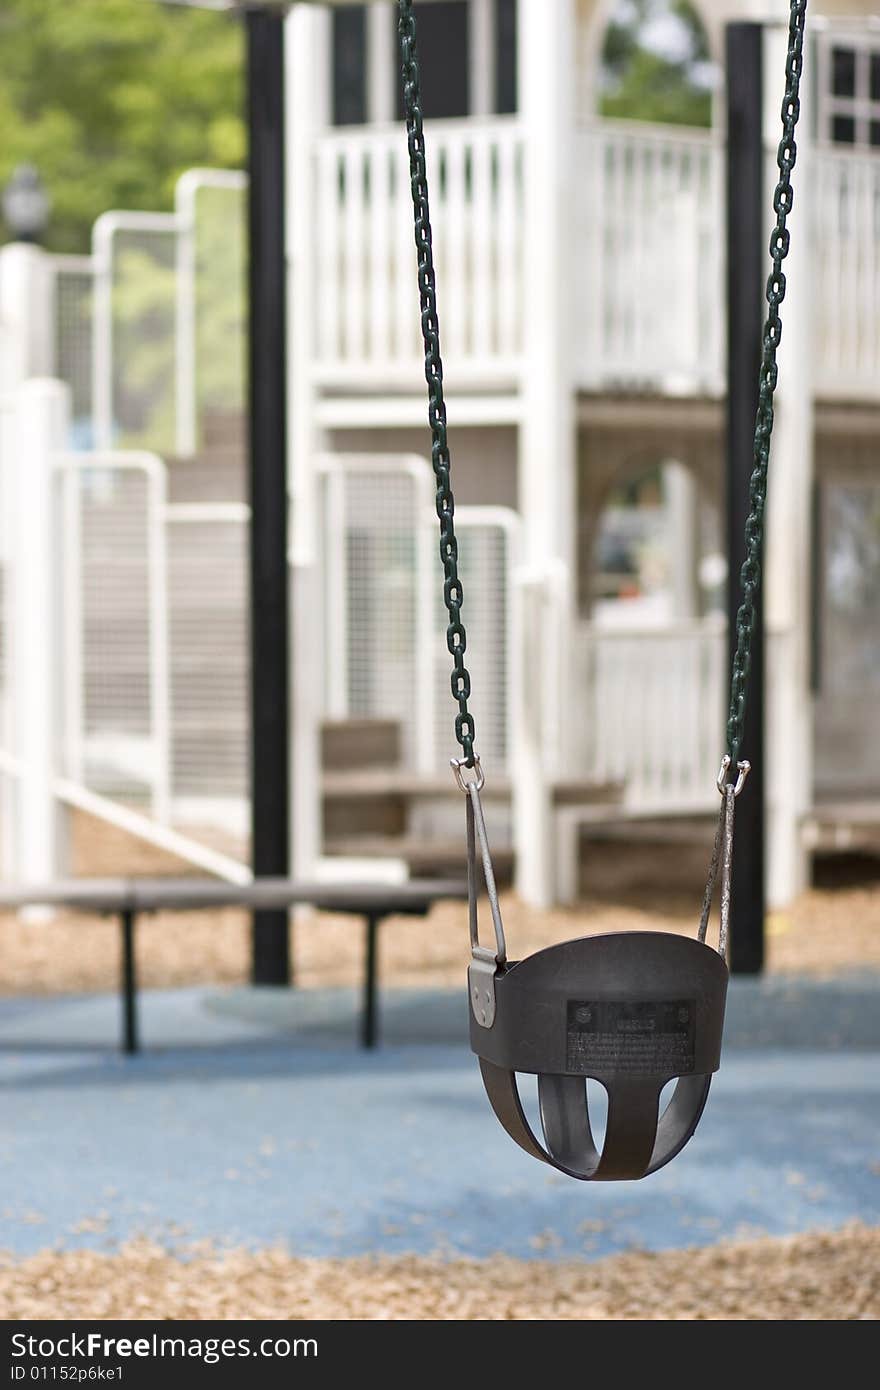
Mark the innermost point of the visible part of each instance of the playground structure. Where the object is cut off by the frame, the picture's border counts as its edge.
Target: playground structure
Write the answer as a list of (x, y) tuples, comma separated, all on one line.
[(605, 361)]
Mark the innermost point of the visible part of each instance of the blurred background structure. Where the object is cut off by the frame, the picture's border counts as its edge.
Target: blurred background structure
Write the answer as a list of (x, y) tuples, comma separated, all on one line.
[(576, 171)]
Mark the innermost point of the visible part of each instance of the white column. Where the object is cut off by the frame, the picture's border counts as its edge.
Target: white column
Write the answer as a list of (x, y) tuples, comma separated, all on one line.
[(27, 314), (27, 348), (8, 781), (43, 414), (307, 89), (789, 736), (381, 63), (547, 435), (681, 498), (481, 43)]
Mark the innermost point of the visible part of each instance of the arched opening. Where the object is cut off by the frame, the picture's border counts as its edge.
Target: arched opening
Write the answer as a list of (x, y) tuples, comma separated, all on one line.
[(656, 549)]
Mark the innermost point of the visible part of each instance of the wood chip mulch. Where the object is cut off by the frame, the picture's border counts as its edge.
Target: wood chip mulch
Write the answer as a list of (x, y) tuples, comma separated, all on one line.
[(834, 1275)]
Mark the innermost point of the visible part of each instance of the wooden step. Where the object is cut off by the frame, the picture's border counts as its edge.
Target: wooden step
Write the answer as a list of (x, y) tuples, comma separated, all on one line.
[(361, 784), (845, 824), (365, 783), (353, 746), (425, 858)]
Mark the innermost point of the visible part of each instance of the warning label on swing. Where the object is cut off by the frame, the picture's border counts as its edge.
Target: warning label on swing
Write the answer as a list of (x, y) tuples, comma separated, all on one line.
[(623, 1036)]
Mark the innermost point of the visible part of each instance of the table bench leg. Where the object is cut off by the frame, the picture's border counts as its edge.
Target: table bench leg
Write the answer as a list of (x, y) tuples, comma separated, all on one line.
[(368, 1021), (129, 985)]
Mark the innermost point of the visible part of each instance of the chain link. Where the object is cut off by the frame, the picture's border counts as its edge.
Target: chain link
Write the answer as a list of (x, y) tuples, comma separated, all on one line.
[(456, 638), (750, 574)]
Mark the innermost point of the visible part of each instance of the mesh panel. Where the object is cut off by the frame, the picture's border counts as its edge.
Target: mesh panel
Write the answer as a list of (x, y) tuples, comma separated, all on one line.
[(220, 301), (381, 575), (371, 530), (74, 284), (144, 346), (207, 595), (484, 567), (120, 755)]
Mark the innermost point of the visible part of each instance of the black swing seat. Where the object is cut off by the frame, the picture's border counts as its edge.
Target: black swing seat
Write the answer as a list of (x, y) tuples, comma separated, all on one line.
[(632, 1010)]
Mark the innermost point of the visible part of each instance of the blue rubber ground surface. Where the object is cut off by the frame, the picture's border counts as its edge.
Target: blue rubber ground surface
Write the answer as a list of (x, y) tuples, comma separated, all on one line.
[(256, 1119)]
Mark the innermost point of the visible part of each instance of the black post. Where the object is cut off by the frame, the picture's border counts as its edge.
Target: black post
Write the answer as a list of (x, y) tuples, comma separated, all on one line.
[(270, 772), (747, 267), (129, 985)]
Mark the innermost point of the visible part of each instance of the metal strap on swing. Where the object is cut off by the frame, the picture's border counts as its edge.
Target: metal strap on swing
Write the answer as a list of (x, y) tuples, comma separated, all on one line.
[(633, 1010)]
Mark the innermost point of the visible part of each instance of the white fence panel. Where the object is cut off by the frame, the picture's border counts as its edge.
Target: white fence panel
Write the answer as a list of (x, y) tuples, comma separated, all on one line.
[(845, 194), (377, 652), (649, 246), (134, 360), (650, 711), (210, 300), (367, 293), (74, 294)]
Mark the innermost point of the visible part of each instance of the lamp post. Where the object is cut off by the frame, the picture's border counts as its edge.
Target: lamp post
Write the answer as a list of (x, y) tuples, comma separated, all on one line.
[(26, 205)]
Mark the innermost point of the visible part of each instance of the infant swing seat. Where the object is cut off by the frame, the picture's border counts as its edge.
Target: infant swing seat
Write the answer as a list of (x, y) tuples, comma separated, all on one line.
[(631, 1010)]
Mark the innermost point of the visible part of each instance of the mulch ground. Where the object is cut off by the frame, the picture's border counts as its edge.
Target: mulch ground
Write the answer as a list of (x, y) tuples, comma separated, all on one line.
[(818, 1276)]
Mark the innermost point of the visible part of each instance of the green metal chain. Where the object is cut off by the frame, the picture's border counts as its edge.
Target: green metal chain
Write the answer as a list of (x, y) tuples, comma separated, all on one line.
[(456, 638), (750, 574)]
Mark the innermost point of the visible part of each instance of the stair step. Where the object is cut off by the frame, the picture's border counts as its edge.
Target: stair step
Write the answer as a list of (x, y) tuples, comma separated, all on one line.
[(363, 784), (429, 858), (358, 744), (220, 476)]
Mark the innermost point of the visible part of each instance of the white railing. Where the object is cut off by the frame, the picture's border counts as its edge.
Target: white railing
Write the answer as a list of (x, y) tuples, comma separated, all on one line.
[(150, 328), (365, 268), (649, 711), (649, 290), (845, 194)]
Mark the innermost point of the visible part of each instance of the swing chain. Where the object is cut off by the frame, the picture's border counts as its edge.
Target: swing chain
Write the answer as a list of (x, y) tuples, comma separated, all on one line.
[(750, 575), (456, 638)]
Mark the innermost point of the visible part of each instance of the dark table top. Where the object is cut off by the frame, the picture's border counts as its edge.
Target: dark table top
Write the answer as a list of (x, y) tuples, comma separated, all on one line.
[(168, 894)]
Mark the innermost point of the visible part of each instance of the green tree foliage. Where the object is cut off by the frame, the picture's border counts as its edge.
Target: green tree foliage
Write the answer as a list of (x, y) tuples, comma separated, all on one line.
[(113, 99), (655, 64)]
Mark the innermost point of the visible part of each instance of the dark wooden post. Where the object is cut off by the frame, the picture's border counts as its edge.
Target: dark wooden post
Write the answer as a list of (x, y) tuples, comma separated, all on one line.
[(270, 773), (747, 268)]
